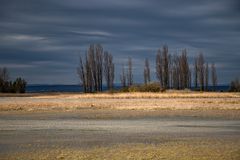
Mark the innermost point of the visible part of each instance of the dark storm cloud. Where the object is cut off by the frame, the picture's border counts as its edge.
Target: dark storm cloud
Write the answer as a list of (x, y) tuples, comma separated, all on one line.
[(41, 40)]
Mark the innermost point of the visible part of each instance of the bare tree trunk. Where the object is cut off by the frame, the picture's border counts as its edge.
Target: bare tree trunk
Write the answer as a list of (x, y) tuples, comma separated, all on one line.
[(206, 77), (99, 66), (4, 74), (146, 72), (169, 71), (123, 77), (214, 76), (130, 75), (89, 78), (145, 76), (108, 70), (190, 79), (196, 73), (184, 70), (201, 71), (112, 68), (165, 67), (175, 72), (81, 74), (159, 67), (4, 77), (92, 69)]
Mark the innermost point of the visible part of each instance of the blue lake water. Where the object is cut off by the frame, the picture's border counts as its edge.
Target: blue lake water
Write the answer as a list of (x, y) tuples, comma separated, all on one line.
[(58, 88), (78, 88)]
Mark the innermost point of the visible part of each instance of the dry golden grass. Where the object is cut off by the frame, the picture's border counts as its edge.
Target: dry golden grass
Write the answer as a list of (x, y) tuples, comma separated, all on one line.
[(197, 149), (168, 94), (173, 100)]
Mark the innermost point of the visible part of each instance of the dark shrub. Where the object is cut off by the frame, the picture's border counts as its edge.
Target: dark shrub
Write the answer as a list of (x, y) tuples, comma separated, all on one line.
[(124, 89), (151, 87), (19, 85), (235, 86)]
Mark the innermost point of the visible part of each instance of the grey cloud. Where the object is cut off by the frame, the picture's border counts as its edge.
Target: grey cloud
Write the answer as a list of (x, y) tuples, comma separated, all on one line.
[(57, 32)]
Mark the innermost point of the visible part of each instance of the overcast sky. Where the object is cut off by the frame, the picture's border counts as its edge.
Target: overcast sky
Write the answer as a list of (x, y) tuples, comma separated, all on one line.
[(41, 40)]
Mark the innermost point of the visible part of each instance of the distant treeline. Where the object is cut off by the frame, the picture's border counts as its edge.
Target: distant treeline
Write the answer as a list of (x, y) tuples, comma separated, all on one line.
[(172, 71), (7, 86)]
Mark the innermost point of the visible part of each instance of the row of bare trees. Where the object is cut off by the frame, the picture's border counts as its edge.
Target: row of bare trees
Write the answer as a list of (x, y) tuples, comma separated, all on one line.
[(96, 65), (171, 71), (175, 72), (201, 73)]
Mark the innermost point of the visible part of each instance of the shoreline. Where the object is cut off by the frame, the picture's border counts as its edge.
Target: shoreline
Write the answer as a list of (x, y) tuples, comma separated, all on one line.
[(167, 93)]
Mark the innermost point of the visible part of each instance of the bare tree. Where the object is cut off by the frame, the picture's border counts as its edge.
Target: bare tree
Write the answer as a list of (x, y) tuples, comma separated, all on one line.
[(123, 77), (82, 74), (146, 72), (190, 79), (184, 70), (170, 70), (196, 73), (108, 70), (162, 67), (175, 72), (111, 72), (4, 74), (235, 85), (99, 66), (129, 74), (165, 57), (91, 69), (159, 67), (180, 71), (4, 77), (214, 76), (206, 77), (91, 72), (201, 71)]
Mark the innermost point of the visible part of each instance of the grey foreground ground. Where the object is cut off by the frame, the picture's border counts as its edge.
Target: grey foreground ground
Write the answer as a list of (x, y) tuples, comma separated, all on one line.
[(21, 133)]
